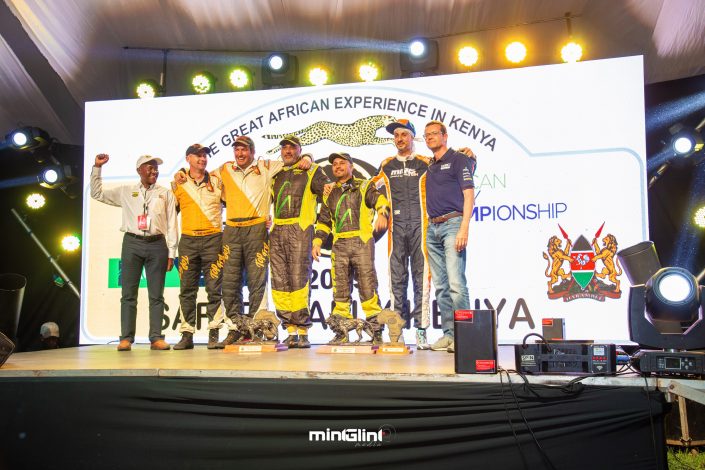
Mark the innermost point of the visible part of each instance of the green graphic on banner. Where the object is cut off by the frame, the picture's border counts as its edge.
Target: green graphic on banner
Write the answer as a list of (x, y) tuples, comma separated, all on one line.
[(115, 282)]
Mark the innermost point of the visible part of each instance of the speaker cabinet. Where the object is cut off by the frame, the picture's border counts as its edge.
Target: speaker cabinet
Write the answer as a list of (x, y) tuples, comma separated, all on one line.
[(553, 329), (6, 348), (475, 342)]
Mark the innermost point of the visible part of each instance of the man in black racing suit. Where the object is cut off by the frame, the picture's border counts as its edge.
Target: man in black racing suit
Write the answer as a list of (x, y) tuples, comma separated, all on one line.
[(295, 194), (348, 213)]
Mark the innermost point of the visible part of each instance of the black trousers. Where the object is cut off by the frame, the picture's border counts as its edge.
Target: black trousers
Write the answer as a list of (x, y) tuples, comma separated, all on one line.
[(246, 250), (291, 270), (407, 253), (200, 254), (153, 257)]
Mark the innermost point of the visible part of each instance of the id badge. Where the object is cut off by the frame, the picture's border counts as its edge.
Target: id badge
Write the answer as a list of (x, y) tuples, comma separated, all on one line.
[(143, 222)]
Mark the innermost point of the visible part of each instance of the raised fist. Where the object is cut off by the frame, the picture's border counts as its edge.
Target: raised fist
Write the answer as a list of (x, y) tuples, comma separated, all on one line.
[(101, 159)]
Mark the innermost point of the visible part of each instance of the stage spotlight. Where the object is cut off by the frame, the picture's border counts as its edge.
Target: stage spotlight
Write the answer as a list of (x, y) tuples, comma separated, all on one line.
[(468, 56), (419, 57), (278, 62), (279, 70), (572, 52), (369, 72), (35, 201), (54, 176), (515, 52), (672, 293), (417, 47), (699, 217), (28, 138), (202, 83), (148, 89), (318, 76), (19, 139), (70, 243), (240, 78), (685, 142), (665, 311)]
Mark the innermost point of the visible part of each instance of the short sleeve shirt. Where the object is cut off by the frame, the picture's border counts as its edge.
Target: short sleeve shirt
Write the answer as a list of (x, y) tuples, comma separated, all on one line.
[(446, 179)]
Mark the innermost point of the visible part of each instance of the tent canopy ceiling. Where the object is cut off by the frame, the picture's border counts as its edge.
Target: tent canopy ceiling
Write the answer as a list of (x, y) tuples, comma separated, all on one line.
[(97, 49)]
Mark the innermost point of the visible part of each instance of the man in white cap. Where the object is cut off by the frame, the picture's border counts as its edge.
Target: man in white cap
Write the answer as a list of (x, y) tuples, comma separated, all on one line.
[(49, 332), (149, 223)]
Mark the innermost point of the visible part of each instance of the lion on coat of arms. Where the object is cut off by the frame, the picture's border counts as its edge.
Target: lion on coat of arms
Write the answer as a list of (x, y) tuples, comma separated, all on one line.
[(606, 254), (555, 257)]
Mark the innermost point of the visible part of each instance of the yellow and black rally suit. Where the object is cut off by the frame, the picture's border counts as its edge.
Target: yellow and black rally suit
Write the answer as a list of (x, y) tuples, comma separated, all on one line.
[(348, 213), (200, 247), (245, 238), (295, 194)]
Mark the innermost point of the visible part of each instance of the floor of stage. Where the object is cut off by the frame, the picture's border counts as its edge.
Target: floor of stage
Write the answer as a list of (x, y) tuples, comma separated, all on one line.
[(105, 361)]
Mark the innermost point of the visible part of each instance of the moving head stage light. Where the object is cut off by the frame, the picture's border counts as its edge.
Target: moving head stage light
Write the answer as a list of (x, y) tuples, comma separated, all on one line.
[(666, 308)]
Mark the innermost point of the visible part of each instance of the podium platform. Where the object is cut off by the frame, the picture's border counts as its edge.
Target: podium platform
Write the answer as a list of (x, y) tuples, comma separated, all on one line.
[(93, 407)]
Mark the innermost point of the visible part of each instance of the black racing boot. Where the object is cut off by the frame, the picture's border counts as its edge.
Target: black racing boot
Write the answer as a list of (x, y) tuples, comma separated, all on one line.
[(232, 337), (292, 341), (303, 342), (213, 339), (185, 343)]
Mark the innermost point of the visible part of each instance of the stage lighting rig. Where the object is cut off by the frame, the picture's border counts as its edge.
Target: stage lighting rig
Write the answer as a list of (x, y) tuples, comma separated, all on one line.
[(70, 243), (318, 76), (279, 70), (28, 138), (240, 78), (202, 83), (571, 52), (35, 201), (666, 308), (55, 176), (419, 57), (278, 62), (515, 52), (468, 56), (148, 89), (685, 142), (369, 72), (699, 217)]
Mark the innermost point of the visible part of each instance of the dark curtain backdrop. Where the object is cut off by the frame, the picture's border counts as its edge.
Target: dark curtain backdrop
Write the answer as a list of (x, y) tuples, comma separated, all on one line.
[(185, 423)]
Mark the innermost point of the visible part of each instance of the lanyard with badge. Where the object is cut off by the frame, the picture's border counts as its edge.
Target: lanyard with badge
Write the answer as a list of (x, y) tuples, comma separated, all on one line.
[(144, 221)]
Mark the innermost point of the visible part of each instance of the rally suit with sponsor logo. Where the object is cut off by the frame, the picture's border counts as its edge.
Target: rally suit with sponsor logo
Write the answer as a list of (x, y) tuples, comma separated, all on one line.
[(348, 213), (405, 181), (245, 238), (200, 247), (295, 194)]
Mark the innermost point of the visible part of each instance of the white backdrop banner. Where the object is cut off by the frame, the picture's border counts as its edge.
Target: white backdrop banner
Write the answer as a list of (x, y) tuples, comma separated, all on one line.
[(561, 159)]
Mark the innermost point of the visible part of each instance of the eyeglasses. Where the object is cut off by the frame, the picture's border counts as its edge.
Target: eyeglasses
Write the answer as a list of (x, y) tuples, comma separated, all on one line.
[(431, 134)]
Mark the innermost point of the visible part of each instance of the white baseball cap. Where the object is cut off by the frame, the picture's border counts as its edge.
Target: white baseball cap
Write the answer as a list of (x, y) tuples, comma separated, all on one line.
[(49, 329), (148, 158)]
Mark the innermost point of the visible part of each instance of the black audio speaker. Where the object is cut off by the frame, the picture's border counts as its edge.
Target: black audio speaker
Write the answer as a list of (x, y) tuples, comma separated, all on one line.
[(6, 348), (475, 341), (553, 329)]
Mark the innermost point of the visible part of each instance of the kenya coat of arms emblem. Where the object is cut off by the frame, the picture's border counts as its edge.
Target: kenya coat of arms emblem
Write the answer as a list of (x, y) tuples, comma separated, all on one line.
[(593, 270)]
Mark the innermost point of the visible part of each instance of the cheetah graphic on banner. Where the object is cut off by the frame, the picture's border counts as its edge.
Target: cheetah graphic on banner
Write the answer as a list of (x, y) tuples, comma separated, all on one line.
[(356, 134)]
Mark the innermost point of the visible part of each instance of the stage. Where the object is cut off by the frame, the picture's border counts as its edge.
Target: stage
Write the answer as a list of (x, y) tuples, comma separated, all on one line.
[(92, 407)]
